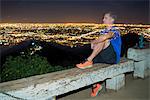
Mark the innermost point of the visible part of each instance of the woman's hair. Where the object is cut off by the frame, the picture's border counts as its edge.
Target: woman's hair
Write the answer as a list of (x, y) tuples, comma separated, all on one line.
[(112, 14)]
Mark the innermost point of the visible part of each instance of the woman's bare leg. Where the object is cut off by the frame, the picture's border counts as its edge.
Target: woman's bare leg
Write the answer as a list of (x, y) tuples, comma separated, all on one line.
[(97, 48)]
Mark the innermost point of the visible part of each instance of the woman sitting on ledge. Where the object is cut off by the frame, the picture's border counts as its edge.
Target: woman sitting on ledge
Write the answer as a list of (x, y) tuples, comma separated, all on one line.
[(106, 49)]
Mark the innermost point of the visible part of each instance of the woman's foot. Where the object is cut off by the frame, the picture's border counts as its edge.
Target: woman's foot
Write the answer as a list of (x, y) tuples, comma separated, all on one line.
[(96, 90), (86, 64)]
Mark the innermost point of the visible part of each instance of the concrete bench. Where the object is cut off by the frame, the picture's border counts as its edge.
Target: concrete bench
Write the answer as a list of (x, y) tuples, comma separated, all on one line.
[(141, 59), (48, 86)]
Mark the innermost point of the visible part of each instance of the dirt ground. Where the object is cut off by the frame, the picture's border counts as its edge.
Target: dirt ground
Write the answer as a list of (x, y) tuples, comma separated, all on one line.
[(134, 89)]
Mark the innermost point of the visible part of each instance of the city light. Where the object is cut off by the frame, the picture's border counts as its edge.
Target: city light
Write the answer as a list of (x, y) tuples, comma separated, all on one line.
[(64, 34)]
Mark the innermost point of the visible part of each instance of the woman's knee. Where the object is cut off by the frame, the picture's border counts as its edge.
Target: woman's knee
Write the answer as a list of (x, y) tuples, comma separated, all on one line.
[(98, 46), (104, 44), (107, 43)]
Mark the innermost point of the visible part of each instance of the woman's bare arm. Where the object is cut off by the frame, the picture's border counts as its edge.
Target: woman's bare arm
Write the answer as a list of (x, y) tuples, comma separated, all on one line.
[(103, 38)]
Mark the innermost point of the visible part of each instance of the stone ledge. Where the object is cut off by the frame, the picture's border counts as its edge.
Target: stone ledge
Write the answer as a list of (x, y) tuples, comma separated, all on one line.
[(57, 83), (138, 54), (141, 61)]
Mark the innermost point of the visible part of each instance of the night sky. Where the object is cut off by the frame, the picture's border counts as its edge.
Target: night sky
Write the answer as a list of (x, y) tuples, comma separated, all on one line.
[(62, 11)]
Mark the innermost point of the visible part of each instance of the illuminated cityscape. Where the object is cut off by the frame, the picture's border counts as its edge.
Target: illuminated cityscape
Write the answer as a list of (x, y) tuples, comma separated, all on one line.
[(64, 34), (74, 49)]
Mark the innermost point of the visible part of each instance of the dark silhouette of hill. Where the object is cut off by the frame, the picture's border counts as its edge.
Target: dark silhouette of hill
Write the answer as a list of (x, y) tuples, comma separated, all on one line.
[(57, 54)]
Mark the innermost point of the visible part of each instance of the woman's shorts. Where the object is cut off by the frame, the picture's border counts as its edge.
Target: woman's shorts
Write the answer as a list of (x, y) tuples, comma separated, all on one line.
[(107, 55)]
